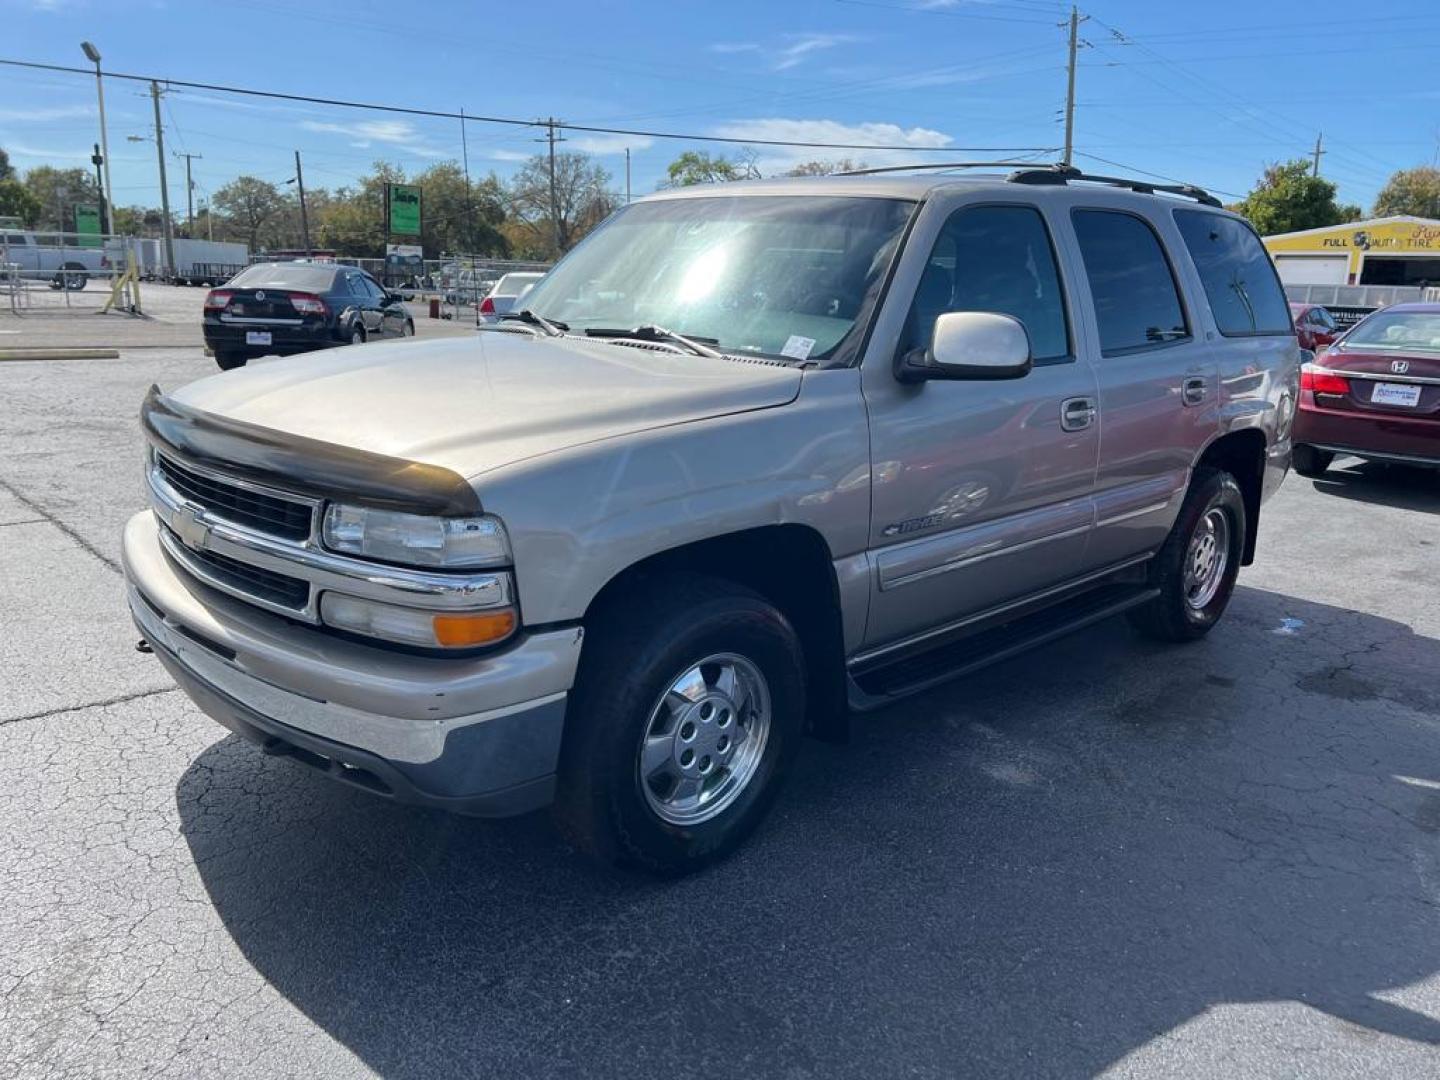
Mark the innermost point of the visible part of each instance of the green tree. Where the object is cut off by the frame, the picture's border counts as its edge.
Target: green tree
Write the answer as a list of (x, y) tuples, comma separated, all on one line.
[(582, 200), (1289, 199), (458, 219), (1411, 191), (7, 171), (354, 221), (251, 207), (699, 167), (825, 168), (59, 191), (17, 201)]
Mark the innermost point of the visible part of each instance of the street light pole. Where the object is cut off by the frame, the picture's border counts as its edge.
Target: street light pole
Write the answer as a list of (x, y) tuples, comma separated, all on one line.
[(107, 204)]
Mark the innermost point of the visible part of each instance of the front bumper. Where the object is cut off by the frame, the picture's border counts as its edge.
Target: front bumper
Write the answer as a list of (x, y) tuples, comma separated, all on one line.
[(478, 735)]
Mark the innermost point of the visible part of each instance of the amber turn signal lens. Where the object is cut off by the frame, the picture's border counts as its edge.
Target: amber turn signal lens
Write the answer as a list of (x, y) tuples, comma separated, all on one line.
[(473, 628)]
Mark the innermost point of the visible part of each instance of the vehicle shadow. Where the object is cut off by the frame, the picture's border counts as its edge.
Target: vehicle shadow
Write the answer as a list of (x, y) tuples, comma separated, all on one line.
[(1403, 487), (1040, 870)]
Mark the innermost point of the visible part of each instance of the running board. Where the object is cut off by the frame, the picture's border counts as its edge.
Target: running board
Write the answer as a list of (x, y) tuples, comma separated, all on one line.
[(878, 685)]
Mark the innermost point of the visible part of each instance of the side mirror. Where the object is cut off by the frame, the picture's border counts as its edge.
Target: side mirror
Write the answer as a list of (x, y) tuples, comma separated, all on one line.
[(971, 345)]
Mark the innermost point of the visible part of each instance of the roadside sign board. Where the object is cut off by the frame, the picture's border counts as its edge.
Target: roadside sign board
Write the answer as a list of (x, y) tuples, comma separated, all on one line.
[(87, 224), (403, 209)]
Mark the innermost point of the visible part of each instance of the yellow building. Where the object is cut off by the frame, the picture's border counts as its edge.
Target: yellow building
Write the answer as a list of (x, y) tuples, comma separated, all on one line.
[(1381, 251)]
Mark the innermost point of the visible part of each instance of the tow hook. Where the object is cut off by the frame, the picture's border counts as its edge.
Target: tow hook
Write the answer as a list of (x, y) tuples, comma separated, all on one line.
[(143, 646)]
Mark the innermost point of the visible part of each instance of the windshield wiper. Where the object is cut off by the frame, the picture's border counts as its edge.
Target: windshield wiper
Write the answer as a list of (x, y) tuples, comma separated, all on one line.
[(698, 346), (550, 326)]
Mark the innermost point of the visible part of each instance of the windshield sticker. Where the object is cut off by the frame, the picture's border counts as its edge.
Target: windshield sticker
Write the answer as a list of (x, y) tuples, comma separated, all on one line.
[(798, 347)]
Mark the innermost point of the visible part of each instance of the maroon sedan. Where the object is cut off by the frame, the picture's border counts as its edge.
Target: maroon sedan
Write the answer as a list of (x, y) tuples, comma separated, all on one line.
[(1315, 326), (1375, 393)]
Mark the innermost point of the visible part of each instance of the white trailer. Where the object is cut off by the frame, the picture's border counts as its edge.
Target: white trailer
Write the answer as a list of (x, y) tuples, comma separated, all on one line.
[(208, 262)]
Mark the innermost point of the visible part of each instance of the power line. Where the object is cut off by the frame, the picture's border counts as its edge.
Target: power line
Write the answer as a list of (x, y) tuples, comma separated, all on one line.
[(514, 122)]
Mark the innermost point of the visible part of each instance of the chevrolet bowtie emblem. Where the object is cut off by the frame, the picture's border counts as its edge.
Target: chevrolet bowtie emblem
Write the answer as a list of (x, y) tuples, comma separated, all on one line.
[(190, 529)]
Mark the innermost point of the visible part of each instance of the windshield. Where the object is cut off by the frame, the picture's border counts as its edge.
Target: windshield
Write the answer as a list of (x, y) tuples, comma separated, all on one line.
[(783, 276), (1408, 330)]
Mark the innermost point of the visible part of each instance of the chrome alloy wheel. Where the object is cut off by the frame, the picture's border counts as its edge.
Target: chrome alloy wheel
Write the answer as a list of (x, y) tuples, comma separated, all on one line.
[(1206, 558), (705, 739)]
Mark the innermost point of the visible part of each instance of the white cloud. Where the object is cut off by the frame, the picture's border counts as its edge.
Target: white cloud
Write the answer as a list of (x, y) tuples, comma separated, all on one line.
[(790, 51), (803, 45), (398, 133), (775, 159), (42, 115), (608, 144), (509, 155), (21, 150)]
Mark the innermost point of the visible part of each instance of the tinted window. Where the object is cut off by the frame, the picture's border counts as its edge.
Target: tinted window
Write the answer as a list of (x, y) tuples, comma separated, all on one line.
[(1136, 299), (1241, 285), (994, 258), (303, 276), (1322, 318)]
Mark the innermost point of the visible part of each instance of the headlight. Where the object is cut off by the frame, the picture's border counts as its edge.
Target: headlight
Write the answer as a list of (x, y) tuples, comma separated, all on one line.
[(416, 539), (413, 626)]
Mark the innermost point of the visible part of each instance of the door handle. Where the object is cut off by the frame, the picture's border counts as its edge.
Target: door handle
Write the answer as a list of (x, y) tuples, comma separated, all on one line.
[(1077, 413), (1193, 390)]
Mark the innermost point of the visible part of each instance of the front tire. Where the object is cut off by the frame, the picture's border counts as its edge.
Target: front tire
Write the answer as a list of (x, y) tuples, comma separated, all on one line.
[(1311, 462), (357, 335), (686, 715), (1196, 568)]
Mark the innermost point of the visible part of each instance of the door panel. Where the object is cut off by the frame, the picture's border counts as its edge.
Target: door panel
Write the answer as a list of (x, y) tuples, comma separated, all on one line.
[(980, 494), (991, 492), (1157, 376)]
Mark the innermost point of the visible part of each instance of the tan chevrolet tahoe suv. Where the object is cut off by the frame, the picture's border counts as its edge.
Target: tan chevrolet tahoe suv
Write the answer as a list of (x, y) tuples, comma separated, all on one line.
[(754, 458)]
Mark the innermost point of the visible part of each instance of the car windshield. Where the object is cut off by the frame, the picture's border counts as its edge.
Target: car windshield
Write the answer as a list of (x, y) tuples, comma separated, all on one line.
[(1407, 330), (783, 276), (514, 284), (284, 276)]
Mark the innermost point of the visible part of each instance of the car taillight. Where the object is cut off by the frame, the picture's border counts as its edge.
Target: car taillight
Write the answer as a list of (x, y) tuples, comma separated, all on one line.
[(217, 299), (1322, 381), (307, 304), (487, 306)]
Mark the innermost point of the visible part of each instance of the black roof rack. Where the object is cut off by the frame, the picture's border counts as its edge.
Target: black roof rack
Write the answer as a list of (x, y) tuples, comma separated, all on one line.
[(1063, 174), (939, 165)]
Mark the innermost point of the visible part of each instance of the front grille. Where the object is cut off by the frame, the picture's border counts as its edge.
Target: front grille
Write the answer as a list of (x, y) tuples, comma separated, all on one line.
[(240, 505), (250, 580)]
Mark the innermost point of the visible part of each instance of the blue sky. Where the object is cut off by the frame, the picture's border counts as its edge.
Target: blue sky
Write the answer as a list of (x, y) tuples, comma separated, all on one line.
[(1205, 92)]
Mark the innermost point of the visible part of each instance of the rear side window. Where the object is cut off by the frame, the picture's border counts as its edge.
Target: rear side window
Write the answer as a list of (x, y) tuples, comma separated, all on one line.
[(1241, 285), (1137, 303), (994, 258)]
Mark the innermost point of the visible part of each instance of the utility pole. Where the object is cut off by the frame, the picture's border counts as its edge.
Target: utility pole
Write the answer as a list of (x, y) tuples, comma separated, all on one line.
[(164, 188), (1070, 85), (304, 217), (627, 175), (550, 137), (1319, 142), (465, 156), (189, 193)]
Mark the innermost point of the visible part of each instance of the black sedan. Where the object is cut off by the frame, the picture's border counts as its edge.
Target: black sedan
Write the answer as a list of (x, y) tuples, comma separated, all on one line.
[(276, 309)]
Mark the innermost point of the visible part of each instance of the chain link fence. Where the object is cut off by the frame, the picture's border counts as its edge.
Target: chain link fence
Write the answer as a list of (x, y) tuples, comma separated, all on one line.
[(60, 273)]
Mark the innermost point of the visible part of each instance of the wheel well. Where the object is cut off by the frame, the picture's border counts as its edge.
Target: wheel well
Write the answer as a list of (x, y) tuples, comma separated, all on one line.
[(1242, 455), (790, 566)]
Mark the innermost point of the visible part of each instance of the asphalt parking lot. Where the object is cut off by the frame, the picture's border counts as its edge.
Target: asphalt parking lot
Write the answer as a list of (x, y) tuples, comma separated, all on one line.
[(1108, 857)]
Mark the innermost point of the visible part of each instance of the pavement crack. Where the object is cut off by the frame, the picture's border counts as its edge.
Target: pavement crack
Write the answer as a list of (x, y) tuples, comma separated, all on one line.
[(66, 529), (120, 700)]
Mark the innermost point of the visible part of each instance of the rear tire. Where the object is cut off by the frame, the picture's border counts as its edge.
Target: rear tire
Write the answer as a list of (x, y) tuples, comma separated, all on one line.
[(1309, 461), (229, 361), (1197, 566), (648, 777)]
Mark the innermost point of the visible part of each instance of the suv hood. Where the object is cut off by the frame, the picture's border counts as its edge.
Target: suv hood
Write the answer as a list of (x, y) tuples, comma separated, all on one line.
[(475, 404)]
